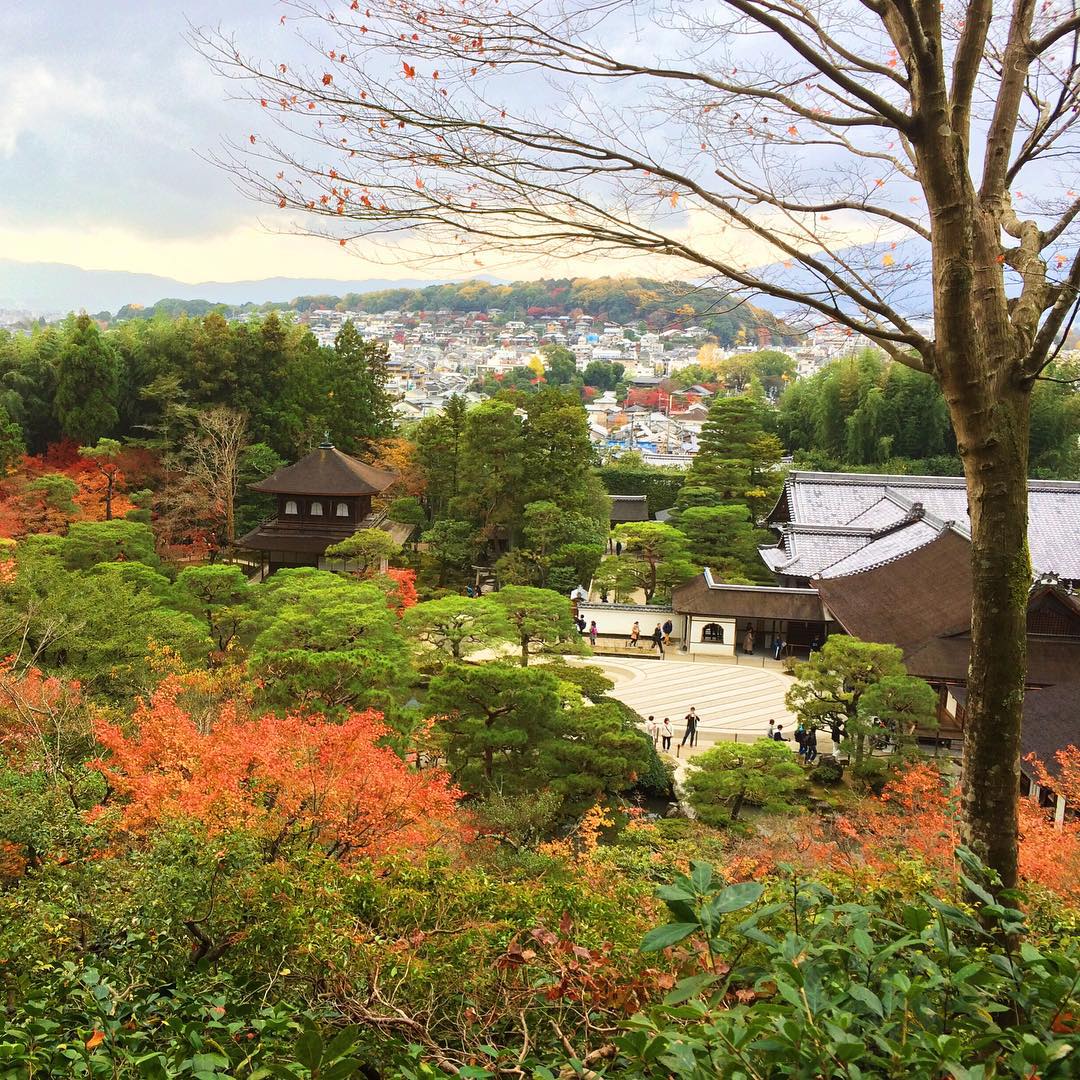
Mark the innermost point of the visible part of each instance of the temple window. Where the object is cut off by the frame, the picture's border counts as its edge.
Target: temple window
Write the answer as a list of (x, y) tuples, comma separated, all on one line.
[(316, 509), (291, 507), (712, 632), (342, 510)]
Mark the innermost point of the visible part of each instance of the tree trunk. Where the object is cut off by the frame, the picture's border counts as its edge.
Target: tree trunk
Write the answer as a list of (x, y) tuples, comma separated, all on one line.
[(524, 652), (993, 441), (109, 479), (737, 805)]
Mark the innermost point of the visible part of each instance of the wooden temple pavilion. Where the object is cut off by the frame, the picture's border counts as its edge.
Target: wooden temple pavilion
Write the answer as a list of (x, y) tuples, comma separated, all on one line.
[(321, 500)]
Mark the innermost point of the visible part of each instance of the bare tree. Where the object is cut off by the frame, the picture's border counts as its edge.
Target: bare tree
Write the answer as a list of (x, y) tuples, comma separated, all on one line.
[(213, 462), (834, 155)]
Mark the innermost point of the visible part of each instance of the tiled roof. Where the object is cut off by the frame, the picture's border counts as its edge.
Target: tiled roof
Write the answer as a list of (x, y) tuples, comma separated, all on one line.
[(884, 549), (327, 471), (873, 501)]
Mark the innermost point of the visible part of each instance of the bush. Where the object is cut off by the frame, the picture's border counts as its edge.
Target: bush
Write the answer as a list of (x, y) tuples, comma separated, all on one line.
[(871, 775), (828, 771), (819, 988)]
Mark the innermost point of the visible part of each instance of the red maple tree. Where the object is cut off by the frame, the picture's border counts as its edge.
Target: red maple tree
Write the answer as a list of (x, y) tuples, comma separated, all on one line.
[(295, 779)]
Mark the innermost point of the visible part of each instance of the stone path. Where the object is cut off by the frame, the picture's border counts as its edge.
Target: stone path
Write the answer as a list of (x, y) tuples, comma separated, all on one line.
[(733, 702)]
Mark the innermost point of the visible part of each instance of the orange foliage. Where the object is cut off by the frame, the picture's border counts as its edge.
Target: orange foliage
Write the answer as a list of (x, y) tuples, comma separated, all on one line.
[(294, 778), (1067, 781), (403, 595), (399, 456)]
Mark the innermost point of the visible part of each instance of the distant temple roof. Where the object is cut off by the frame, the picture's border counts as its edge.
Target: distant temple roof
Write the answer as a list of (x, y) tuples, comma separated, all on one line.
[(327, 471), (626, 508), (838, 523)]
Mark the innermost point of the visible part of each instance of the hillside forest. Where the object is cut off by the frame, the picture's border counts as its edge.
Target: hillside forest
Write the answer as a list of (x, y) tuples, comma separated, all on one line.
[(368, 824)]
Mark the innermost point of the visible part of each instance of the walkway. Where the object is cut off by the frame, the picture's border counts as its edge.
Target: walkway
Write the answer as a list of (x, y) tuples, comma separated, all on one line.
[(734, 702)]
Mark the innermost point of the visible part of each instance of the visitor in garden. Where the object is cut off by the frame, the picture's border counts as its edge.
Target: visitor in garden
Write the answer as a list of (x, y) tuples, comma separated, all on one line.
[(592, 633), (635, 633), (667, 628), (653, 728), (778, 647), (800, 738), (772, 729), (665, 734), (810, 746), (691, 728), (658, 640), (748, 640), (778, 734)]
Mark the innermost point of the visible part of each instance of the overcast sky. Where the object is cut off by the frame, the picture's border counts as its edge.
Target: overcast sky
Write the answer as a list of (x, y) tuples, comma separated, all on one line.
[(106, 111)]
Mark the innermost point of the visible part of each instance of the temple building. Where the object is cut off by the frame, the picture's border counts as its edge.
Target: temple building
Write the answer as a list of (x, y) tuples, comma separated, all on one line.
[(321, 500)]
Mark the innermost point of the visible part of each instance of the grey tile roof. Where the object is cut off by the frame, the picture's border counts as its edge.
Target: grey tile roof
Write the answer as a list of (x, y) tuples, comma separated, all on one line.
[(884, 549), (872, 500)]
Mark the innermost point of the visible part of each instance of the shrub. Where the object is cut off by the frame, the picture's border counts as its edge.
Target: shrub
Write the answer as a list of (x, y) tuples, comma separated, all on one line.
[(828, 771)]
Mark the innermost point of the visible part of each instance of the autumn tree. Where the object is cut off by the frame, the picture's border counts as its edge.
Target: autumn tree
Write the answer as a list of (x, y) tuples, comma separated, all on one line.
[(213, 462), (105, 454), (865, 148)]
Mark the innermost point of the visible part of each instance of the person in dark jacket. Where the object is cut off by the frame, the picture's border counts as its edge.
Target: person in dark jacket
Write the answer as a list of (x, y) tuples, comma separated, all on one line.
[(691, 728), (658, 640)]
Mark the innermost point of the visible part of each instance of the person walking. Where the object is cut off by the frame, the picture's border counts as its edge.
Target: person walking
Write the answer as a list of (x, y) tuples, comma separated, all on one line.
[(778, 647), (691, 728), (592, 633), (658, 640), (748, 640), (653, 728), (635, 633), (810, 755), (667, 628), (800, 738), (665, 734), (772, 729)]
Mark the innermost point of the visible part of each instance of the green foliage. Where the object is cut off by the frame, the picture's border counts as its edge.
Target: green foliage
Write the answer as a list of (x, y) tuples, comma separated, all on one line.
[(327, 643), (56, 490), (730, 776), (541, 620), (456, 626), (603, 375), (86, 383), (221, 595), (451, 545), (360, 411), (365, 551), (725, 539), (827, 771), (659, 486), (12, 443), (91, 542), (925, 989), (439, 448), (655, 558)]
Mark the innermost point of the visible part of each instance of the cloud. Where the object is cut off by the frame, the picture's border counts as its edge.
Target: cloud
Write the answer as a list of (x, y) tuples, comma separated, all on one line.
[(38, 99)]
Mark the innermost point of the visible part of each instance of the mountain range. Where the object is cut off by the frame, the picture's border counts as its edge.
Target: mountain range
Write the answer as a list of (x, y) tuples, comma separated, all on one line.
[(45, 288)]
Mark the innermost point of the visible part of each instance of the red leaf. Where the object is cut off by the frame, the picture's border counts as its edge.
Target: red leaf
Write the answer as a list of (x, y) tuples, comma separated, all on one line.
[(410, 71), (95, 1040), (327, 78)]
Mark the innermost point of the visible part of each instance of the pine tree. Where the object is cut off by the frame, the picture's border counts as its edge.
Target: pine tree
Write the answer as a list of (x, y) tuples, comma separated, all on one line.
[(360, 411), (87, 379)]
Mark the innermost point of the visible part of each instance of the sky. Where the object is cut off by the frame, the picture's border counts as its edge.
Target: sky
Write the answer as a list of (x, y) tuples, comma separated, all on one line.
[(104, 134), (106, 114)]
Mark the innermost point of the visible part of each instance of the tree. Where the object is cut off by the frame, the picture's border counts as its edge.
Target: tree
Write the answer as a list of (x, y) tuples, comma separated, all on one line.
[(900, 706), (458, 625), (86, 385), (366, 551), (511, 730), (656, 555), (216, 455), (327, 643), (12, 443), (724, 539), (222, 596), (452, 544), (934, 125), (540, 619), (830, 686), (105, 454), (294, 781), (439, 448), (91, 542), (491, 469), (561, 364), (359, 411), (729, 776)]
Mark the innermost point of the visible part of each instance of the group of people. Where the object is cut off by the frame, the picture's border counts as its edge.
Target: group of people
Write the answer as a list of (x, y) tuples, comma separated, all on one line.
[(805, 739), (660, 637), (591, 630), (662, 733)]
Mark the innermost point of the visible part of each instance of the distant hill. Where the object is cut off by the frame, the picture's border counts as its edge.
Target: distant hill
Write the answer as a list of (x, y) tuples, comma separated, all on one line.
[(56, 288), (656, 305)]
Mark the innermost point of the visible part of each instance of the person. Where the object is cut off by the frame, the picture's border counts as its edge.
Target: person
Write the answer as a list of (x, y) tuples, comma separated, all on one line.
[(592, 633), (772, 729), (800, 738), (778, 734), (618, 547), (810, 746), (778, 647), (581, 624), (691, 728), (658, 640), (748, 640), (667, 628), (635, 633), (469, 591), (665, 734), (653, 728)]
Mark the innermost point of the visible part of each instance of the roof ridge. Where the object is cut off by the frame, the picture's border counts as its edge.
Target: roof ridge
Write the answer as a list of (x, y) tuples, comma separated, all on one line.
[(892, 558)]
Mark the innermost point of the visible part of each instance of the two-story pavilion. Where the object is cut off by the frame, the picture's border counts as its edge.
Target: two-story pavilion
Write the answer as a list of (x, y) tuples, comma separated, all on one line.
[(321, 500)]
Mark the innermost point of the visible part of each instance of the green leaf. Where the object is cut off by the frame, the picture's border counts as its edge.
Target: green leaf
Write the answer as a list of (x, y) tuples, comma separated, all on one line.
[(866, 997), (701, 874), (674, 892), (309, 1048), (341, 1043), (663, 936), (688, 988), (736, 897)]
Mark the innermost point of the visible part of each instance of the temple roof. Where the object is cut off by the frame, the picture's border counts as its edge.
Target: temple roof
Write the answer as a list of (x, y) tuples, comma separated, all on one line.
[(327, 471), (625, 508), (874, 503)]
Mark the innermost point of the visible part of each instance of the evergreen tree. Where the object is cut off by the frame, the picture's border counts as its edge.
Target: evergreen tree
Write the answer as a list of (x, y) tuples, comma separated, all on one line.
[(439, 448), (359, 410), (86, 385)]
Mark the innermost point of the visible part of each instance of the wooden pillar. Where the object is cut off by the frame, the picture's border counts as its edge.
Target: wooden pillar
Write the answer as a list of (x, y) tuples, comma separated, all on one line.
[(1059, 812), (1034, 792)]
